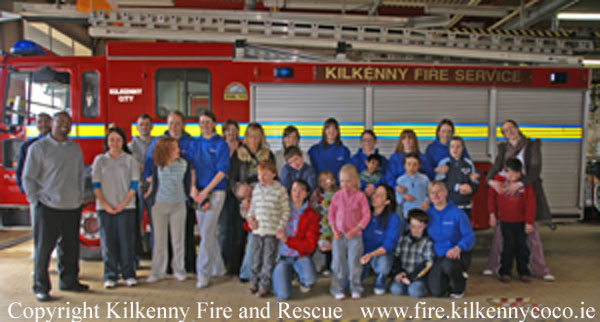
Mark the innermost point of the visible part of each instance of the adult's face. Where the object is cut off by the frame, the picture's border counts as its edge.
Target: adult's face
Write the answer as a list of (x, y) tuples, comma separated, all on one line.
[(367, 142), (291, 139), (207, 125), (298, 193), (231, 133), (438, 195), (61, 126), (331, 133), (379, 199), (175, 126), (115, 142), (445, 133), (510, 131), (253, 139), (44, 124), (408, 143), (144, 126)]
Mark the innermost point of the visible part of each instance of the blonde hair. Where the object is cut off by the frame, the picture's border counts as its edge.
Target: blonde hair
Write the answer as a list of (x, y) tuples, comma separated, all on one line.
[(350, 170), (441, 184)]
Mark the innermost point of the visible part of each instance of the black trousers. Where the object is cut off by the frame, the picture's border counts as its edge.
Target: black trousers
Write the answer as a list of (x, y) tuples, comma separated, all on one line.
[(232, 236), (52, 226), (514, 245), (447, 275)]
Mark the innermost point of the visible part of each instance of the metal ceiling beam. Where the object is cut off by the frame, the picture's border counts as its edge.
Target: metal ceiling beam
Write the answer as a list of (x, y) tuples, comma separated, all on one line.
[(455, 19), (513, 14), (539, 13), (478, 11)]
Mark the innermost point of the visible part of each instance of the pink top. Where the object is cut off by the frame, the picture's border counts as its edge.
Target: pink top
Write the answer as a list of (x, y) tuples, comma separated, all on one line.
[(348, 210)]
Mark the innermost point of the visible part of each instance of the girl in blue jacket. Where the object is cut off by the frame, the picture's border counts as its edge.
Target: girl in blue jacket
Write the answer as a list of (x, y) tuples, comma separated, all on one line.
[(329, 154)]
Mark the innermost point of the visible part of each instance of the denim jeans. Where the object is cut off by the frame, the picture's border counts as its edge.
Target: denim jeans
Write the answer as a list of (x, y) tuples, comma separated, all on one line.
[(381, 265), (415, 289), (246, 269), (283, 273), (346, 264)]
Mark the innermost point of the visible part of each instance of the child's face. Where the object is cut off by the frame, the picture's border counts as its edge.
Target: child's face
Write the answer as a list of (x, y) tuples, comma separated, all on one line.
[(298, 193), (296, 162), (347, 181), (456, 149), (265, 177), (511, 175), (416, 227), (174, 151), (326, 182), (411, 166), (372, 166)]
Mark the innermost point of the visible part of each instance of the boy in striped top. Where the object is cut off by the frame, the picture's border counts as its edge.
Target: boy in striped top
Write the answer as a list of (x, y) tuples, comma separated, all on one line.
[(267, 217)]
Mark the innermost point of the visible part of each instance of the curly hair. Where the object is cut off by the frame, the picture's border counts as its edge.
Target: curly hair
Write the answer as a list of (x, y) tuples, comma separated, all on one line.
[(162, 150)]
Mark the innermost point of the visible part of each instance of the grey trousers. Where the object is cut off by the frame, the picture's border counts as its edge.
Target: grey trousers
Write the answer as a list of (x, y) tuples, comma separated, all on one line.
[(209, 261), (264, 252), (346, 264), (168, 216)]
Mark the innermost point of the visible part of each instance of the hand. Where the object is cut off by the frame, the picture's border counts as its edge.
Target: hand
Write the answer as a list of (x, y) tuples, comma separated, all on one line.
[(201, 196), (253, 223), (325, 248), (400, 189), (398, 278), (350, 234), (405, 281), (337, 235), (364, 259), (110, 210), (441, 169), (369, 189), (193, 193), (205, 206), (512, 188), (119, 208), (474, 176), (465, 189), (424, 205), (453, 253), (493, 220), (280, 234), (242, 190), (408, 197), (496, 185), (244, 207), (528, 228)]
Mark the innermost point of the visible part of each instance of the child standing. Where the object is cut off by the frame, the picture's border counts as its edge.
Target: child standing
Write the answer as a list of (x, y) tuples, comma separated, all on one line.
[(460, 177), (371, 174), (411, 187), (267, 217), (413, 257), (517, 214), (296, 168), (349, 214), (320, 202), (169, 209)]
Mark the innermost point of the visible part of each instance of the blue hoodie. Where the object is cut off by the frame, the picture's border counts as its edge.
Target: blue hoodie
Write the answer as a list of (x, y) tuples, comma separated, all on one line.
[(359, 158), (184, 142), (396, 169), (375, 236), (209, 157), (448, 228), (331, 158), (436, 151), (306, 173)]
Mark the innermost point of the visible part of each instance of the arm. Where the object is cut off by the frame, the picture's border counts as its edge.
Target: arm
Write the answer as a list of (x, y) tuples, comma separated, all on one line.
[(133, 186), (98, 194), (222, 167), (534, 164), (80, 175), (332, 214), (392, 233), (20, 164), (529, 205), (149, 161), (467, 236), (31, 173), (426, 168), (285, 177), (367, 257), (492, 204), (284, 208), (423, 268), (498, 163)]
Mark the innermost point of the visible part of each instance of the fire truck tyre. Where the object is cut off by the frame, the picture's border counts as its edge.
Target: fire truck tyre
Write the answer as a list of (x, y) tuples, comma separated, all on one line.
[(89, 254)]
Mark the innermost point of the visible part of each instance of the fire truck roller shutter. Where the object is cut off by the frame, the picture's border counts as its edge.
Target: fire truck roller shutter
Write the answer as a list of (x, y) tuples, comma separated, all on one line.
[(307, 106), (556, 116)]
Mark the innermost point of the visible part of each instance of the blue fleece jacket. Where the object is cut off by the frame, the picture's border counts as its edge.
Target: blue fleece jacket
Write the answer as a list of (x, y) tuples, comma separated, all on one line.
[(448, 228), (436, 151), (396, 169), (331, 158), (184, 142), (209, 157), (359, 158), (289, 174), (375, 235)]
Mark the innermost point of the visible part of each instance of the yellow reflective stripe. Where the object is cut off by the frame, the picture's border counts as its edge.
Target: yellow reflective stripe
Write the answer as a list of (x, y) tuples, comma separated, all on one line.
[(547, 132), (77, 130)]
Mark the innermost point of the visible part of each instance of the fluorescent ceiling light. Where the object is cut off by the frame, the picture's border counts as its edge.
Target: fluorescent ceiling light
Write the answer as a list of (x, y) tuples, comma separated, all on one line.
[(578, 16), (591, 62)]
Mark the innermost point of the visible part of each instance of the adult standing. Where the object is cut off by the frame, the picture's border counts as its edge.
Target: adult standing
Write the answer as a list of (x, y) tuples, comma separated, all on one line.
[(176, 129), (139, 146), (380, 237), (453, 238), (407, 143), (115, 177), (291, 136), (528, 152), (243, 175), (53, 180), (330, 153), (210, 160), (438, 149)]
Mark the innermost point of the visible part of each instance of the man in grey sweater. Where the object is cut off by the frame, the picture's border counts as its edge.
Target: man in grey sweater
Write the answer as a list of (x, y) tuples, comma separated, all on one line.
[(53, 181)]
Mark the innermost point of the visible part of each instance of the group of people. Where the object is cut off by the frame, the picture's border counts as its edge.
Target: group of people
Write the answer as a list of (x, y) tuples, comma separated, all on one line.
[(272, 218)]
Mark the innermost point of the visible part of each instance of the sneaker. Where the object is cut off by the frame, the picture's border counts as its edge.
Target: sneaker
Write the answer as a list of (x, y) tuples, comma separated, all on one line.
[(109, 284), (261, 293), (465, 275), (43, 297), (379, 291), (153, 279), (525, 278), (548, 278), (131, 282), (180, 276), (457, 295), (356, 295), (304, 289), (504, 278), (252, 288), (339, 296), (202, 282), (326, 272), (487, 272)]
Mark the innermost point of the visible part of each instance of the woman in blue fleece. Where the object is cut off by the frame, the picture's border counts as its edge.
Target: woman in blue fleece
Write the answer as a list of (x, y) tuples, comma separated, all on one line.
[(407, 143), (438, 149), (453, 237), (329, 154), (380, 237)]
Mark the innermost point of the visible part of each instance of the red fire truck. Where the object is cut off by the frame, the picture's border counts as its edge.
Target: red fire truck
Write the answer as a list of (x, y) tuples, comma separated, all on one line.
[(550, 103)]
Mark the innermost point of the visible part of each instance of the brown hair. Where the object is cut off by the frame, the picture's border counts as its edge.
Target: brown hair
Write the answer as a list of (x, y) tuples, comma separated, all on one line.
[(419, 215), (330, 122), (442, 123), (404, 134), (328, 174), (268, 165), (162, 150), (177, 113)]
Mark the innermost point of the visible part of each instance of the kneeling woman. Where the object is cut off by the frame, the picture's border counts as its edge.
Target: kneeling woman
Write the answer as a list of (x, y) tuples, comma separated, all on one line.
[(453, 238), (299, 241)]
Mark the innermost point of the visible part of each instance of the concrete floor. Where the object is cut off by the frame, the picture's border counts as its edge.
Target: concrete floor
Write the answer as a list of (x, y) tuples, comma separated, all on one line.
[(572, 252)]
